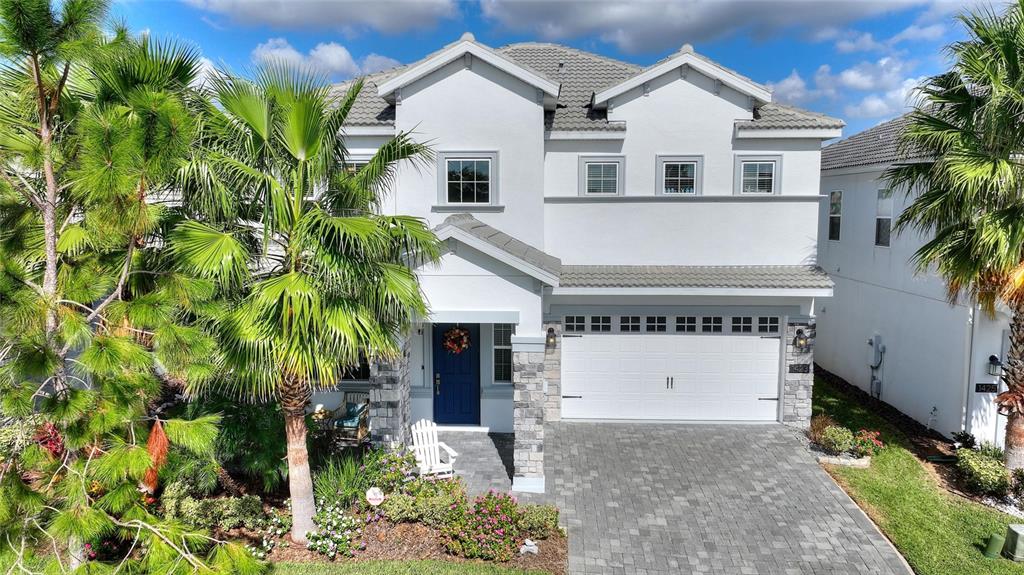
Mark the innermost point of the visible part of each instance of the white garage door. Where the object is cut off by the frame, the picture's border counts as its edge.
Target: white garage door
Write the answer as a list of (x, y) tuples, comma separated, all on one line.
[(670, 376)]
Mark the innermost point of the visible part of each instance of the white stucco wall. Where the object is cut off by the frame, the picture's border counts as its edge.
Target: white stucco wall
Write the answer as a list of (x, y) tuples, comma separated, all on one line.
[(476, 109), (926, 371), (683, 232)]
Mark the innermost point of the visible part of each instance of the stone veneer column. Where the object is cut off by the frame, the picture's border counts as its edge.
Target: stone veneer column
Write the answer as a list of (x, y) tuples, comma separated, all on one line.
[(528, 417), (389, 399), (553, 374), (799, 375)]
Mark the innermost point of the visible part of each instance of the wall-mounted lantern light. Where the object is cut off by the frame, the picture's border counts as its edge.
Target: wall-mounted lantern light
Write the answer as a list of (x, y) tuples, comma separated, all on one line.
[(801, 343), (551, 339), (995, 366)]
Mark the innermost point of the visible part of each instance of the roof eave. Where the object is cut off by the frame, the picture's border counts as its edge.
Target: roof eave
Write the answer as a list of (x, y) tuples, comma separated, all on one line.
[(694, 291), (752, 133), (449, 231), (459, 49), (734, 81)]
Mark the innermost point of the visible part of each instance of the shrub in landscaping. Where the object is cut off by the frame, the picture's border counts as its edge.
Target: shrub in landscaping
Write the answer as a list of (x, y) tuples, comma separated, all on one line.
[(222, 512), (388, 470), (867, 443), (989, 449), (982, 473), (1017, 483), (836, 439), (339, 482), (819, 423), (434, 502), (965, 439), (337, 533), (539, 521), (488, 530)]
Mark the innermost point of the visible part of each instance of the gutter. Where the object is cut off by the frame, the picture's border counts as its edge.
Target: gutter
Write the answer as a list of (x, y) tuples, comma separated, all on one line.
[(969, 366)]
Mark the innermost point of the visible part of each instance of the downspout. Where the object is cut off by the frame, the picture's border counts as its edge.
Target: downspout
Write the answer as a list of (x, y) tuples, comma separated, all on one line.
[(972, 316)]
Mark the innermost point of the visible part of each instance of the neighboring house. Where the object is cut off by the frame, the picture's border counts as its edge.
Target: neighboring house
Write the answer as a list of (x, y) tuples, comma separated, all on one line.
[(887, 329), (622, 242)]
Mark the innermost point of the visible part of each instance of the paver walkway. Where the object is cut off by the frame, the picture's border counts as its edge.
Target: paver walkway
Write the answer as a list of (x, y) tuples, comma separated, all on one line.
[(655, 499)]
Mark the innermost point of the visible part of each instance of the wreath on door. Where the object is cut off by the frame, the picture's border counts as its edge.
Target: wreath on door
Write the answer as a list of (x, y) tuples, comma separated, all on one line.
[(456, 340)]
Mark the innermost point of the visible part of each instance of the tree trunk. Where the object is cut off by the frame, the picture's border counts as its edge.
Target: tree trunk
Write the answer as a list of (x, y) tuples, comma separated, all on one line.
[(1013, 375), (300, 481)]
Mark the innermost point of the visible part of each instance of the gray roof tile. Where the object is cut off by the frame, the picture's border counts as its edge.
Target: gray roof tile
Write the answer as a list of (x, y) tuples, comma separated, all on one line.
[(876, 146), (751, 277), (499, 239), (580, 74)]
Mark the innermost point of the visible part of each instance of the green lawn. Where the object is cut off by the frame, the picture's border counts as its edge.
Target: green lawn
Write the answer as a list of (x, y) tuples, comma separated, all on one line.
[(394, 568), (939, 533)]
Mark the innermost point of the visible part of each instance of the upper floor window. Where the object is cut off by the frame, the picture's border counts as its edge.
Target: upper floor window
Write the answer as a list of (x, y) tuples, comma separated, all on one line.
[(353, 167), (883, 218), (601, 176), (468, 178), (835, 214), (679, 175), (503, 352), (758, 175)]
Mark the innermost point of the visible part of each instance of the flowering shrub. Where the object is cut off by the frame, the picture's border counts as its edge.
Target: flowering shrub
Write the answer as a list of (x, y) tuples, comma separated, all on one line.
[(867, 443), (278, 524), (388, 470), (490, 529), (337, 533)]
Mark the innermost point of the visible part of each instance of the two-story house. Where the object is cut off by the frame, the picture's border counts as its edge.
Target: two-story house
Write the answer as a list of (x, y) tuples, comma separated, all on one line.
[(623, 242), (889, 329)]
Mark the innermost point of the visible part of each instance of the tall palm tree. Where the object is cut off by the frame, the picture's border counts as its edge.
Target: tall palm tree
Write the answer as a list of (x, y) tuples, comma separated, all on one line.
[(968, 196), (314, 274)]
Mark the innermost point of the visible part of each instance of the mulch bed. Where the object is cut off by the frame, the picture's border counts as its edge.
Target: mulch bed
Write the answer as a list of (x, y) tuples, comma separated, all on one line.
[(415, 541), (923, 442)]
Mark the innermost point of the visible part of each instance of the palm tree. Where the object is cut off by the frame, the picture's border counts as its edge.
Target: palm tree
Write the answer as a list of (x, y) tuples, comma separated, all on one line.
[(314, 274), (968, 196)]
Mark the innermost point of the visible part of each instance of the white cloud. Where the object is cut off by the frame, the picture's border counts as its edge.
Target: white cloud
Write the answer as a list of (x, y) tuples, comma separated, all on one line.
[(916, 33), (791, 89), (864, 42), (206, 70), (883, 74), (389, 16), (886, 104), (328, 58), (664, 24)]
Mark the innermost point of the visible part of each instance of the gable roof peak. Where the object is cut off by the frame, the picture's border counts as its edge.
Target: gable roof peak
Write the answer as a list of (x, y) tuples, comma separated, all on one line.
[(467, 37), (686, 48)]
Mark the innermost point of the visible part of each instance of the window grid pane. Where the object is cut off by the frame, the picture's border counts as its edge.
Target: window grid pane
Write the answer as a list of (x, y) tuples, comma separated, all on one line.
[(503, 364), (758, 177), (742, 324), (575, 323), (600, 323), (883, 231), (468, 181), (767, 325), (711, 324), (834, 227), (628, 323), (656, 323), (680, 177), (602, 178), (686, 324)]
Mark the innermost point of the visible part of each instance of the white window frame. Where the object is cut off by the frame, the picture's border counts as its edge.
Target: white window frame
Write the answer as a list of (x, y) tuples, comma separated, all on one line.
[(620, 174), (708, 321), (837, 216), (494, 356), (757, 159), (630, 324), (884, 211), (768, 324), (698, 174), (652, 323), (741, 324), (493, 179), (600, 323), (687, 324), (578, 323)]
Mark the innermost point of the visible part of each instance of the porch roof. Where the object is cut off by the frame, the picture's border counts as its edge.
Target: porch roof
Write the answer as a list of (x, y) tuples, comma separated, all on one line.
[(465, 227)]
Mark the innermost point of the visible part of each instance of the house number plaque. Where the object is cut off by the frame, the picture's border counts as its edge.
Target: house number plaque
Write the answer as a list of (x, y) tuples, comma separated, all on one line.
[(799, 368), (986, 387)]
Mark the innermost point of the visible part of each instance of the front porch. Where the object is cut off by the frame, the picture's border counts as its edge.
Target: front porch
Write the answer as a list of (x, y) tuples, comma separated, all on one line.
[(485, 459)]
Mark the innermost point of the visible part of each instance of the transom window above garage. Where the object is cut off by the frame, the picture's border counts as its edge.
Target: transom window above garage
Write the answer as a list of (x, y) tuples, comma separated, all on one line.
[(711, 324), (628, 323), (767, 325), (575, 323), (656, 323), (686, 324), (600, 323), (742, 324)]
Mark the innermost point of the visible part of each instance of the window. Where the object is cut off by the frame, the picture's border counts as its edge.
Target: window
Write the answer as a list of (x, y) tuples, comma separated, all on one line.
[(711, 324), (686, 324), (835, 213), (469, 180), (353, 167), (656, 323), (743, 324), (575, 323), (629, 323), (767, 325), (601, 175), (503, 352), (758, 175), (883, 218), (600, 323), (359, 372)]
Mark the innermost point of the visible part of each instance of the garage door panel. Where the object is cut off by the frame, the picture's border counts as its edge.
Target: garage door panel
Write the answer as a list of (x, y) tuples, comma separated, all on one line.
[(716, 377)]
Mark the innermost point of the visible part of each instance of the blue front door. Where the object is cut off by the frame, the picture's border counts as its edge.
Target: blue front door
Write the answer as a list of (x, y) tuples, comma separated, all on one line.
[(457, 378)]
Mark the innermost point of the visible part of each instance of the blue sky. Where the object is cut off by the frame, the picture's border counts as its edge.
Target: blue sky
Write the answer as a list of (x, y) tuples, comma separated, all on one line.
[(857, 60)]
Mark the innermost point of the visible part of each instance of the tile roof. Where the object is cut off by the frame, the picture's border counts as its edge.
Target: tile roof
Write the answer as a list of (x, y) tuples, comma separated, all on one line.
[(750, 277), (580, 74), (780, 116), (878, 145), (503, 241)]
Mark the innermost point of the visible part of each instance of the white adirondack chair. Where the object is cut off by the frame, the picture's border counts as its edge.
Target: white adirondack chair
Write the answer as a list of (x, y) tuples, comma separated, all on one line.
[(427, 449)]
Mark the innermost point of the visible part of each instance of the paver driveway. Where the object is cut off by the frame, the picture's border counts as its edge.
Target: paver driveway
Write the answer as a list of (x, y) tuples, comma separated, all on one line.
[(722, 499)]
